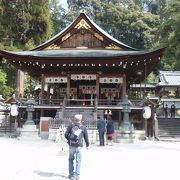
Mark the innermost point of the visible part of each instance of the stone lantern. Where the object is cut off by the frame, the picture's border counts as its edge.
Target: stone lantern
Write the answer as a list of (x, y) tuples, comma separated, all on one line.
[(29, 130), (126, 128), (30, 108)]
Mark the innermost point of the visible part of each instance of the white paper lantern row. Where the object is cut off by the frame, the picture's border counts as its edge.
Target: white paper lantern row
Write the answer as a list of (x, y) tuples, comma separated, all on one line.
[(109, 90), (56, 80), (83, 77), (110, 80)]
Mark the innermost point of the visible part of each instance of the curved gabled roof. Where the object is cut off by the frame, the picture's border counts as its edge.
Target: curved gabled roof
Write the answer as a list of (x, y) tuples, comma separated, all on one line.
[(93, 25), (169, 78), (78, 53), (101, 52), (89, 60)]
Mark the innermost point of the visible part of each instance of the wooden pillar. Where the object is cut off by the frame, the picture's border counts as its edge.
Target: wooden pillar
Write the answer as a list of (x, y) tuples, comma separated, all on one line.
[(177, 93), (120, 118), (41, 113), (20, 83), (41, 96), (118, 93), (48, 92), (146, 127), (42, 88), (154, 119), (68, 85), (124, 85), (97, 86)]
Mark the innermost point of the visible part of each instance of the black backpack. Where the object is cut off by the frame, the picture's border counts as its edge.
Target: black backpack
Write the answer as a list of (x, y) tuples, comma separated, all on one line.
[(76, 136)]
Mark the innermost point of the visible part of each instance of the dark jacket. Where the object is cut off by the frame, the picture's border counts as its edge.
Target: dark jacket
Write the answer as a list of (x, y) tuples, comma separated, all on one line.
[(84, 130), (110, 127), (101, 125)]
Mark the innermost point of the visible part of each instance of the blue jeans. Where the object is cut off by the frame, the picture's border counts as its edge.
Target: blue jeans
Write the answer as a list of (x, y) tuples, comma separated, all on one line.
[(75, 153), (101, 138)]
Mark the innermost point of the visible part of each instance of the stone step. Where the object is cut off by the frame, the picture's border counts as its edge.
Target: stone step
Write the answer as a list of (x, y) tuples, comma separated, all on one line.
[(168, 127)]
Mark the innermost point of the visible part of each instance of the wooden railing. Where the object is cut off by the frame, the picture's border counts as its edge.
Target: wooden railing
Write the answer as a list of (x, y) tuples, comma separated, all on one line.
[(80, 102)]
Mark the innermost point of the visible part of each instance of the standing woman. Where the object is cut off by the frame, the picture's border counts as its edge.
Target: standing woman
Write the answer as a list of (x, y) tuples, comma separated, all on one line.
[(109, 130)]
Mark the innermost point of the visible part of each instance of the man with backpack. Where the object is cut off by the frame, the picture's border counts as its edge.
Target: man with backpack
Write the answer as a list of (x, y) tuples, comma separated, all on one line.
[(75, 134)]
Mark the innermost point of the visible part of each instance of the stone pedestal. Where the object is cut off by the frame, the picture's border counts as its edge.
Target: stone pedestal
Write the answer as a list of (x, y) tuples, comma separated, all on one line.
[(29, 132), (126, 135), (29, 120)]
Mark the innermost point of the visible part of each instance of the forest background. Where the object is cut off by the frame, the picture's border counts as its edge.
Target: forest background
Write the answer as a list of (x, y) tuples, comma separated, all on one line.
[(142, 24)]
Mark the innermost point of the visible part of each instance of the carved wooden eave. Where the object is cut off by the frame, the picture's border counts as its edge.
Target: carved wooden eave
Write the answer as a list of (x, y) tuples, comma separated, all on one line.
[(89, 61)]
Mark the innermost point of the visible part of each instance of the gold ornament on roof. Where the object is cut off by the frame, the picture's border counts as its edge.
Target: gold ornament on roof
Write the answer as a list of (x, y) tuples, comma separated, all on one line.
[(52, 46), (112, 46), (65, 37), (98, 36), (82, 24)]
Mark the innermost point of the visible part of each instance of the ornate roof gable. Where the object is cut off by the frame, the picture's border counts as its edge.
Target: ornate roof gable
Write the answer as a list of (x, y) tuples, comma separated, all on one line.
[(83, 33)]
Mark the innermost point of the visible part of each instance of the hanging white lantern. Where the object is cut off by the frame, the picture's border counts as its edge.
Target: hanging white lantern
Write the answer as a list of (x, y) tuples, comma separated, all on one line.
[(14, 110), (146, 112)]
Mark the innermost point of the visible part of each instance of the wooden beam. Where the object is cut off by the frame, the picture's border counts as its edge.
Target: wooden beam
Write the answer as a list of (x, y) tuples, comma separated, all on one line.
[(42, 87), (68, 85), (97, 85)]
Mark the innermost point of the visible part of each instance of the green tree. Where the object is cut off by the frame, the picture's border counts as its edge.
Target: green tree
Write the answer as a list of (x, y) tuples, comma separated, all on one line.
[(153, 6), (78, 5), (29, 84), (123, 19), (170, 36), (58, 16), (29, 24), (9, 72), (28, 20), (5, 90)]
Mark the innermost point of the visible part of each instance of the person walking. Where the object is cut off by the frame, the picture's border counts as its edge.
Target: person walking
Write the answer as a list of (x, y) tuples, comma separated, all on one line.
[(101, 126), (109, 129), (75, 134), (173, 110), (166, 111)]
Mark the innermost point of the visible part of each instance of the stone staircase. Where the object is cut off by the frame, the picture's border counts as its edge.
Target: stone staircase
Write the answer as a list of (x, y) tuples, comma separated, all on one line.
[(87, 113), (65, 118), (169, 127), (88, 120), (89, 117)]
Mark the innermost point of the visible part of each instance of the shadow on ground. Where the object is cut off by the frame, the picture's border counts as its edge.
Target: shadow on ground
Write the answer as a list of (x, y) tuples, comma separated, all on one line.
[(50, 174)]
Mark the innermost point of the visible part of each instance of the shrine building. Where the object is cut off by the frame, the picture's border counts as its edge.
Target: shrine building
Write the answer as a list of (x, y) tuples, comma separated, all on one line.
[(82, 67)]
